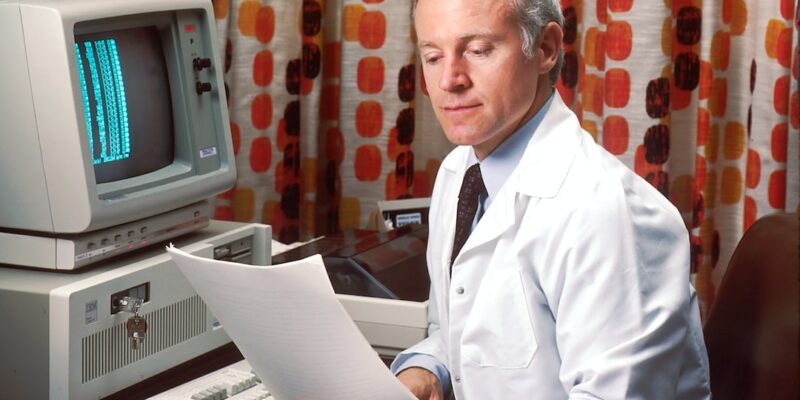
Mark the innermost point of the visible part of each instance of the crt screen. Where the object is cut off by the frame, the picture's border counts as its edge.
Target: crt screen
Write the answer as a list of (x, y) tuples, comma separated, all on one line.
[(126, 102)]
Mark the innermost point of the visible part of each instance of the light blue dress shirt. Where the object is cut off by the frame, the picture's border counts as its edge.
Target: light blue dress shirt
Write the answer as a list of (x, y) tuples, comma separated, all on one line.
[(495, 170)]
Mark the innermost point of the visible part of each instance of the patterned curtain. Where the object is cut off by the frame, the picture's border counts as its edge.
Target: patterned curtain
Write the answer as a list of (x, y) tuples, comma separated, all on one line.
[(698, 97), (324, 110)]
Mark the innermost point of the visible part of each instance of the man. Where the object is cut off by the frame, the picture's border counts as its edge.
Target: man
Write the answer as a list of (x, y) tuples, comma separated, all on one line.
[(573, 282)]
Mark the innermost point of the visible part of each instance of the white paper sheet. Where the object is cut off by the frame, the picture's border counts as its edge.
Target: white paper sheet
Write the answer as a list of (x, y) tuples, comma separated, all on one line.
[(278, 247), (290, 327)]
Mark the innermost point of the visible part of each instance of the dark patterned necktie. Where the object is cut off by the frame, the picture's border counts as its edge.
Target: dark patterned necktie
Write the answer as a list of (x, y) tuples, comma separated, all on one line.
[(471, 188)]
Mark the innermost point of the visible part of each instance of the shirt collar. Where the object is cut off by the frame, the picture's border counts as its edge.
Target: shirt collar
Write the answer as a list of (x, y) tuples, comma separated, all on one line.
[(500, 163)]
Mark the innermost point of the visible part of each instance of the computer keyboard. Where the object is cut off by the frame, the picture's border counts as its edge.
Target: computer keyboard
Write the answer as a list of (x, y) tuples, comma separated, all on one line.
[(236, 382)]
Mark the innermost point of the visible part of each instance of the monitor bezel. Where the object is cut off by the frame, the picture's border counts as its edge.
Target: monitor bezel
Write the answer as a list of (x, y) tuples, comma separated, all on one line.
[(65, 174)]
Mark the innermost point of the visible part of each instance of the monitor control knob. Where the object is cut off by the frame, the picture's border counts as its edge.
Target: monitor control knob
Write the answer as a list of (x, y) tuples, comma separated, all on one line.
[(202, 87), (200, 63)]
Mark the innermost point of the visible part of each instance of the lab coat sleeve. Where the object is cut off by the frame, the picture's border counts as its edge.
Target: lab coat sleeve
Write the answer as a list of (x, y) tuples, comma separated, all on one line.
[(620, 294), (423, 361), (431, 347)]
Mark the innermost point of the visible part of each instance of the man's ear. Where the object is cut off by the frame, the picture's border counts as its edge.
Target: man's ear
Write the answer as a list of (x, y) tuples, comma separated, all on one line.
[(550, 42)]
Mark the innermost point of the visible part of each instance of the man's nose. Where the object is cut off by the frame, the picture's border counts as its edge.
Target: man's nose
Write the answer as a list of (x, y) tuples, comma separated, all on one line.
[(455, 76)]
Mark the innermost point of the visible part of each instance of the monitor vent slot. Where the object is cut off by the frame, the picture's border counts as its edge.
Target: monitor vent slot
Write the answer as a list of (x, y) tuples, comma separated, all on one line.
[(110, 349)]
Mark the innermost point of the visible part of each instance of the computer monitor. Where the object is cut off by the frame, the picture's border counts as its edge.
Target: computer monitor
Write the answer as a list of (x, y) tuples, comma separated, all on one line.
[(113, 127)]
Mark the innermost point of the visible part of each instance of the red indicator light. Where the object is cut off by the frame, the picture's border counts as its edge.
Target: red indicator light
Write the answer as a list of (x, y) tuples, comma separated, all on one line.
[(142, 242), (189, 28), (130, 246)]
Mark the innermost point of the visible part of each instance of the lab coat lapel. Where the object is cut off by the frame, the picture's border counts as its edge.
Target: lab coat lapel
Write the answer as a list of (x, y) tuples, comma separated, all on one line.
[(454, 171), (549, 155), (540, 174), (498, 219)]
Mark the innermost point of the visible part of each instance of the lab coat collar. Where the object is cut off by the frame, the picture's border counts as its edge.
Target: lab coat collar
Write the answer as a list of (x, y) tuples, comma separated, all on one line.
[(540, 173), (549, 154)]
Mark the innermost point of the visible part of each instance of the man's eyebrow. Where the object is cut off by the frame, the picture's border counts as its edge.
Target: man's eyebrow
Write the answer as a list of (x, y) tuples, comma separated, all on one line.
[(424, 43), (492, 37)]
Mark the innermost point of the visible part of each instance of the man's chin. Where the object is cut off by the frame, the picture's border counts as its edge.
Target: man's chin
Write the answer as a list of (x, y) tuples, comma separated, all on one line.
[(462, 138)]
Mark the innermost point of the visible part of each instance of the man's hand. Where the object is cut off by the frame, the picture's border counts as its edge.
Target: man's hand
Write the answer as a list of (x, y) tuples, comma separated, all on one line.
[(422, 383)]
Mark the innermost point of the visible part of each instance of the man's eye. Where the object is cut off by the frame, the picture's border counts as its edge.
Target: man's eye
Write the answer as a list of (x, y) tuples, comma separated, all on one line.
[(479, 52), (431, 60)]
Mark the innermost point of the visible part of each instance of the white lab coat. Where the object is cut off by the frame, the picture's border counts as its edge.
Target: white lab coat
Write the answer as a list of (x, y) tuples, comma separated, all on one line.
[(574, 284)]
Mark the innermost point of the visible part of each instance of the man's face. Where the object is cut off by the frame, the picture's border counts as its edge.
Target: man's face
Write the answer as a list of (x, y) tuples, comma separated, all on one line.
[(480, 83)]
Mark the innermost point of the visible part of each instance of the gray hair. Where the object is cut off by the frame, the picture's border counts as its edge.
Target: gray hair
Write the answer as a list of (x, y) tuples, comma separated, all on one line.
[(532, 16)]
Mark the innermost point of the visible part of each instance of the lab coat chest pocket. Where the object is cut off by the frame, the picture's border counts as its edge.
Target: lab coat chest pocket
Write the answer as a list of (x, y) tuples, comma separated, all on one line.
[(499, 331)]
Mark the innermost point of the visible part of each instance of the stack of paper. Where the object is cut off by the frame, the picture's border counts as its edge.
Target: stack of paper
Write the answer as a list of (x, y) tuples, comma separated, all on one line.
[(290, 327)]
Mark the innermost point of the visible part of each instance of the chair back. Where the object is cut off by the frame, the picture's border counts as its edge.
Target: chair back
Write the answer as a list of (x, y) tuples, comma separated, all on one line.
[(752, 331)]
